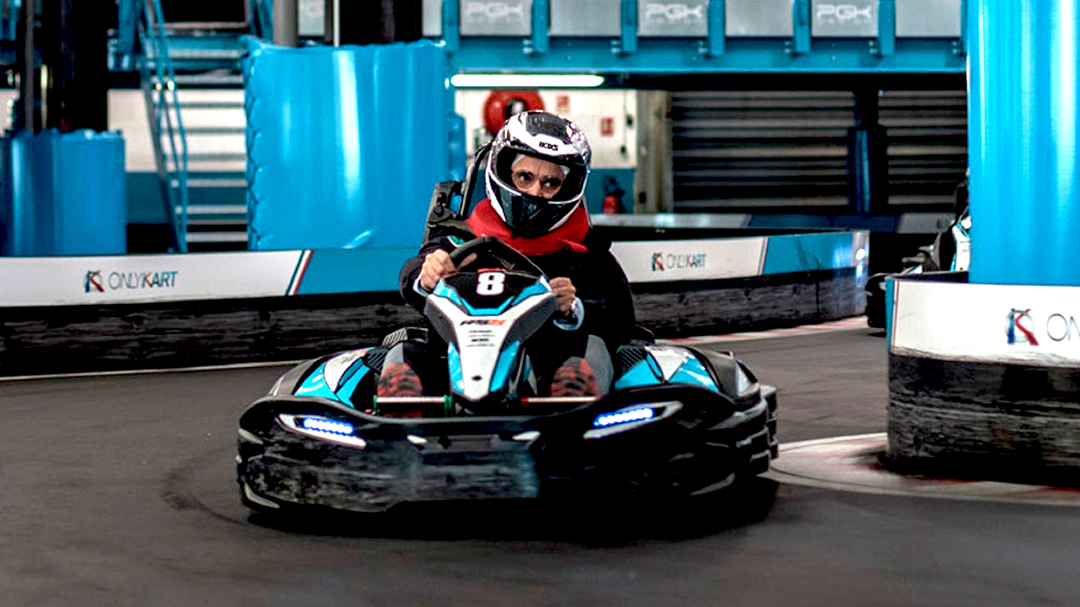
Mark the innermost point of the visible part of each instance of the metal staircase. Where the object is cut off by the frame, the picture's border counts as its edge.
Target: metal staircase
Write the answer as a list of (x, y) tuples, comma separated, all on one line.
[(217, 185), (195, 102), (163, 110)]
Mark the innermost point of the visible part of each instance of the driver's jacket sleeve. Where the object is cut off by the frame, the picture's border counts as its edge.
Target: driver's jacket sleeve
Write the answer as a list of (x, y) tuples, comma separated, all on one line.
[(599, 279)]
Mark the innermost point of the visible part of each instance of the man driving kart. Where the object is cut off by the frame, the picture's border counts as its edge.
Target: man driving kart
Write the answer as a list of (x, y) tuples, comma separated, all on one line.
[(535, 183)]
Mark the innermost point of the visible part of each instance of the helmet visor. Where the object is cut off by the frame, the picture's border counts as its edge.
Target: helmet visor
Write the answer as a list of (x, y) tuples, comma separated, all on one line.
[(562, 185)]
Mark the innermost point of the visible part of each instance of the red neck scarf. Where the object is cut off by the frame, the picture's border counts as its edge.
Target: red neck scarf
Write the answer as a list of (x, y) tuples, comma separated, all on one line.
[(484, 221)]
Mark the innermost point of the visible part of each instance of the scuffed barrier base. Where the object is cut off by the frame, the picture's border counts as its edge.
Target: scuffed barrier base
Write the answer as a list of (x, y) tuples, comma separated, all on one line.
[(180, 334), (46, 340), (984, 420), (767, 302)]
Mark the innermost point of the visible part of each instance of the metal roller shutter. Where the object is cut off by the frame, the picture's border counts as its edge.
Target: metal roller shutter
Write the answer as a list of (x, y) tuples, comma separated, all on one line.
[(787, 150), (927, 133), (737, 150)]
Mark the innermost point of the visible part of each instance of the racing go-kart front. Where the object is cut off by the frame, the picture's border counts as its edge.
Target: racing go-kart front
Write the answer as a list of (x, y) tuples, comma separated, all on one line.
[(677, 421)]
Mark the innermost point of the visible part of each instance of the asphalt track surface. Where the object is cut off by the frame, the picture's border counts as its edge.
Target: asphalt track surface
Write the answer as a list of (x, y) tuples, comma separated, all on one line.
[(120, 491)]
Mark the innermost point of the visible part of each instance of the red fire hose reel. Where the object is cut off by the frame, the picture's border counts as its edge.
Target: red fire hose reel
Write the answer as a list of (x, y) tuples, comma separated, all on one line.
[(501, 105)]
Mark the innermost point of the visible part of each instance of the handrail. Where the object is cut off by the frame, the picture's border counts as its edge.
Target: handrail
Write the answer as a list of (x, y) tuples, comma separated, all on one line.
[(163, 105), (9, 16)]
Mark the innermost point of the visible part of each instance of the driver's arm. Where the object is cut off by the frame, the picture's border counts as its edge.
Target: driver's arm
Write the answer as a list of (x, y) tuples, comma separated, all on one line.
[(420, 274), (571, 309), (437, 265), (409, 280), (606, 297)]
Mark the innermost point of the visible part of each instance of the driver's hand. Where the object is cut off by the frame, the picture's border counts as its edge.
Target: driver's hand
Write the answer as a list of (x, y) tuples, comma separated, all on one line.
[(437, 265), (564, 294)]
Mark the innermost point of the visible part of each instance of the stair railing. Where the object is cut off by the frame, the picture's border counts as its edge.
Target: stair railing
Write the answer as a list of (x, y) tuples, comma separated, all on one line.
[(163, 109), (9, 19)]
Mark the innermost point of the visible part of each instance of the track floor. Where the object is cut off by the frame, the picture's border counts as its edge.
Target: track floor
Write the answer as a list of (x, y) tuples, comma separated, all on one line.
[(120, 491)]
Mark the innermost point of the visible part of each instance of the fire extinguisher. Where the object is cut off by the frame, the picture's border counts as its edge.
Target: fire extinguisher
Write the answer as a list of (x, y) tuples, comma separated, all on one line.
[(613, 197)]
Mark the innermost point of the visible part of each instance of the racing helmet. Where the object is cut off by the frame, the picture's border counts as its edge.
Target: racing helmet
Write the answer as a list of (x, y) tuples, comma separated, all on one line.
[(548, 137)]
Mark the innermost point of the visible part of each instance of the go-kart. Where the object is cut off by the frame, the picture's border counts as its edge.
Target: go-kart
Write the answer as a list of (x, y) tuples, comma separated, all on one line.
[(950, 252), (676, 422)]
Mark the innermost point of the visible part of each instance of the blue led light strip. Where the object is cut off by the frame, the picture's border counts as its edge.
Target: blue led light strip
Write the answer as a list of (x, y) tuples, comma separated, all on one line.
[(623, 417), (326, 425)]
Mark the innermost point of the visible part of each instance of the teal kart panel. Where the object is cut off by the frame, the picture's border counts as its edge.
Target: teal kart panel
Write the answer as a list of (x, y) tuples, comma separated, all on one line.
[(348, 386), (453, 359), (315, 385), (647, 373), (504, 365), (694, 373)]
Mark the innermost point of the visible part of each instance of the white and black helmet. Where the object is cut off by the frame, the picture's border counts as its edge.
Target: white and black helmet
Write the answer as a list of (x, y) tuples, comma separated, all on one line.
[(548, 137)]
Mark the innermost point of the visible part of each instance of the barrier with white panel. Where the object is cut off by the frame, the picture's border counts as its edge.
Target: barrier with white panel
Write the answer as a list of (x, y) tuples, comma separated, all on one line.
[(111, 312), (984, 379)]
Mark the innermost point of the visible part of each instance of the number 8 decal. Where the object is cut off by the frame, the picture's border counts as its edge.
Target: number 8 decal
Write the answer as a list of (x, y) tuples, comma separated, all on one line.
[(490, 283)]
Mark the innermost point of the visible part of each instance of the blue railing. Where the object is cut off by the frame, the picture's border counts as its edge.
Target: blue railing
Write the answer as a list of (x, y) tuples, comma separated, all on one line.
[(163, 107), (262, 18), (9, 19)]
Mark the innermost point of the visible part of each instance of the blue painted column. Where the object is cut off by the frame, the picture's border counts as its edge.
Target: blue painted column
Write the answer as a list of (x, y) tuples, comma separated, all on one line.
[(1024, 134), (344, 143)]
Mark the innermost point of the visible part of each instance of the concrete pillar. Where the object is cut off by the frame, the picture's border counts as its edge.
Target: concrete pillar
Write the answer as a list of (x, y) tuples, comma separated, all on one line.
[(286, 23), (1024, 140), (28, 76)]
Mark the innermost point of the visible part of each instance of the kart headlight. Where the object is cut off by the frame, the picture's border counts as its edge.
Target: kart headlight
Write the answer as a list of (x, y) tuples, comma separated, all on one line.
[(631, 417), (625, 416), (324, 428)]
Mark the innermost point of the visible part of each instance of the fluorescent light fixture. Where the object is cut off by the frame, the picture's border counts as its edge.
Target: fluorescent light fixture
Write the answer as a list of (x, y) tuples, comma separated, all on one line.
[(527, 81)]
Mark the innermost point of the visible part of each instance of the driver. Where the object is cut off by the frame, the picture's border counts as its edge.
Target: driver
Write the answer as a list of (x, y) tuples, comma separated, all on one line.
[(535, 183)]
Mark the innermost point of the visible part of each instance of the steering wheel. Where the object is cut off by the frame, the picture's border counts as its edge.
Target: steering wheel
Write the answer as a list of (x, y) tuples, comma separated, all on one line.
[(492, 252)]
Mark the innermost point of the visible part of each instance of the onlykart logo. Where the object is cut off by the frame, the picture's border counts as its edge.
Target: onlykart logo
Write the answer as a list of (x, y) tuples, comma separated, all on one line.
[(674, 12), (1023, 328), (494, 11), (1019, 328), (92, 282), (97, 281), (665, 262), (843, 14)]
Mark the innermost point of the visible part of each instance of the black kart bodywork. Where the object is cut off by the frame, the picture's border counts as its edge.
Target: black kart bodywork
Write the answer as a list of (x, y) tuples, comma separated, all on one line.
[(698, 441)]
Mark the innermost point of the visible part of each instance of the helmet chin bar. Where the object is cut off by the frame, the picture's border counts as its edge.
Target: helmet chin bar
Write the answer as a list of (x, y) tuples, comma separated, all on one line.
[(528, 216)]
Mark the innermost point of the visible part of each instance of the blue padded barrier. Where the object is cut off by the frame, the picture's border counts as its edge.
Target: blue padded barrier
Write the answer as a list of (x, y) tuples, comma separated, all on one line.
[(344, 144), (63, 194), (1024, 142)]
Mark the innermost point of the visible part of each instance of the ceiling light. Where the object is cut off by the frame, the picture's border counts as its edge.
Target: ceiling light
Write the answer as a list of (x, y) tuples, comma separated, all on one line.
[(527, 81)]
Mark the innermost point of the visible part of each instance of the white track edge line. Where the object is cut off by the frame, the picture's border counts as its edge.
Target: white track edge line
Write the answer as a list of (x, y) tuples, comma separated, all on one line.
[(805, 481)]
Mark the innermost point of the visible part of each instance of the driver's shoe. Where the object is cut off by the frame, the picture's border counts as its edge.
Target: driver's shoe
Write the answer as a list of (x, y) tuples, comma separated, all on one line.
[(575, 377), (399, 379)]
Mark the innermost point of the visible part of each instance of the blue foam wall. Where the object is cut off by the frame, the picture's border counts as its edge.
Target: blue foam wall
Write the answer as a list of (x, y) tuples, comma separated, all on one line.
[(1024, 141), (344, 144), (63, 194)]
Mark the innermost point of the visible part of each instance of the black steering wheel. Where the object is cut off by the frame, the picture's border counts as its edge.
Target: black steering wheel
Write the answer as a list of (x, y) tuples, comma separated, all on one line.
[(492, 252)]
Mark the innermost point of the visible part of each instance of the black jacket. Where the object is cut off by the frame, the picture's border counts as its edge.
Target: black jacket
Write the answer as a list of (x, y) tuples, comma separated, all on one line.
[(599, 279)]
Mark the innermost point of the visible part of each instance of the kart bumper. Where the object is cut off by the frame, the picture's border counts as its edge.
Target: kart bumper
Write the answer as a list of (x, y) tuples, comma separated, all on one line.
[(690, 452)]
